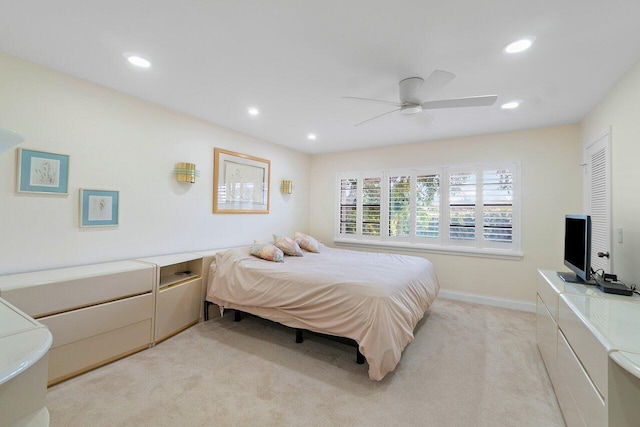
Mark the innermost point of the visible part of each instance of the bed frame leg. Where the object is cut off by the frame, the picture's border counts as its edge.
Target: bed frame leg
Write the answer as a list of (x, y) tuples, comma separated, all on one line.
[(207, 304), (237, 315), (299, 336), (359, 357)]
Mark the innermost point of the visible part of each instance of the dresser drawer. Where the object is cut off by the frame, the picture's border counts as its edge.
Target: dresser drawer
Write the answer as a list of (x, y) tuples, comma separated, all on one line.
[(591, 352), (549, 295), (71, 359), (84, 323), (586, 396), (547, 339), (177, 308)]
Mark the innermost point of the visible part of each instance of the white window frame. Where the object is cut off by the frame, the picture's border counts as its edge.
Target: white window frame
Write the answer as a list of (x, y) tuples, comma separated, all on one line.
[(443, 244)]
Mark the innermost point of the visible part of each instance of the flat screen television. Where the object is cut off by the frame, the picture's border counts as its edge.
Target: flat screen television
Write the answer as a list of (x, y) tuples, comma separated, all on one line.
[(577, 248)]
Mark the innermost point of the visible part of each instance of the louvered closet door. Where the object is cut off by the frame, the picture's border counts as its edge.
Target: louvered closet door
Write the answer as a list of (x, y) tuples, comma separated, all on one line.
[(598, 201)]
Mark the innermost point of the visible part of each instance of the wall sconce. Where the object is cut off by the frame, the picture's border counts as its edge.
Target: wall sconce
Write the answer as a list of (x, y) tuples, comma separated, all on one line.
[(286, 187), (186, 172), (9, 139)]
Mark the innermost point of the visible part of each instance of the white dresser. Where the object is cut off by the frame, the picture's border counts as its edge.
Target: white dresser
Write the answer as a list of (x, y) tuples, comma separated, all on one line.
[(96, 313), (590, 344), (24, 344)]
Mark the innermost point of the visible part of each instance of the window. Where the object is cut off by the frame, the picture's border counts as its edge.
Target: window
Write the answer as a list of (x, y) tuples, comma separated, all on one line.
[(451, 208)]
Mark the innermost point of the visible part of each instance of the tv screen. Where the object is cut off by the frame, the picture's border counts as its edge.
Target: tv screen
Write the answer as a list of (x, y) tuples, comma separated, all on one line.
[(577, 247)]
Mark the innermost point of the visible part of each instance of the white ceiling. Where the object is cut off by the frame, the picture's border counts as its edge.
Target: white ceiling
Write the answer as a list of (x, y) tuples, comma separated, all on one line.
[(295, 59)]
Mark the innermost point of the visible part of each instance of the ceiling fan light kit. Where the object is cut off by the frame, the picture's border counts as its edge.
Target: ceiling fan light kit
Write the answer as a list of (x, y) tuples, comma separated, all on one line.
[(410, 103), (411, 109)]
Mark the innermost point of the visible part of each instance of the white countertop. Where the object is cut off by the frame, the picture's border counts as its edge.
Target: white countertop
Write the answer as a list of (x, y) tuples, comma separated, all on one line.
[(23, 341), (617, 321), (584, 289), (164, 260)]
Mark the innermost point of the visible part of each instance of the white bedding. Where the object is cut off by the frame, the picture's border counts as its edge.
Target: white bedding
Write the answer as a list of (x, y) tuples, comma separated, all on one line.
[(373, 298)]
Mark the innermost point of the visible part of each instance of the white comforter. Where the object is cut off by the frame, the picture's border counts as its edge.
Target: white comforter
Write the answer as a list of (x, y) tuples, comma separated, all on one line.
[(373, 298)]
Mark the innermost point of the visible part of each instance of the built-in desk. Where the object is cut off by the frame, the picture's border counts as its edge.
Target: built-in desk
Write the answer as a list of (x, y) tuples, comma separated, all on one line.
[(590, 343)]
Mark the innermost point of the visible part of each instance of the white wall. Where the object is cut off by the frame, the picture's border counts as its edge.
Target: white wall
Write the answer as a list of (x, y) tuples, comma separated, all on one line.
[(551, 187), (620, 109), (118, 142)]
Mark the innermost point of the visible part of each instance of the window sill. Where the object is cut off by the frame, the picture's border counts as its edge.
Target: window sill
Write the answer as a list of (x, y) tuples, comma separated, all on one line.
[(418, 247)]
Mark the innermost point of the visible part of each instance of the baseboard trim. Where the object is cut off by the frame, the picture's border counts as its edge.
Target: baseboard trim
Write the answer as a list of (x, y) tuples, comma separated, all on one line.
[(485, 300)]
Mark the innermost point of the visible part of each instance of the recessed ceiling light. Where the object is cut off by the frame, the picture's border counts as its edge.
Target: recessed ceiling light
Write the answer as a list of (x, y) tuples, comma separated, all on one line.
[(519, 45), (311, 136), (137, 60), (510, 105), (253, 111)]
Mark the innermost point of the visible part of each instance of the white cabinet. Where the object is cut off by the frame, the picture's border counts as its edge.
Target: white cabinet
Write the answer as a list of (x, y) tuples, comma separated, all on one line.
[(623, 391), (96, 313), (23, 369), (594, 365), (178, 288)]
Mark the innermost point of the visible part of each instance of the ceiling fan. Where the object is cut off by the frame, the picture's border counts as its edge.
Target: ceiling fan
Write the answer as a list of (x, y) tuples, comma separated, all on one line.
[(410, 104)]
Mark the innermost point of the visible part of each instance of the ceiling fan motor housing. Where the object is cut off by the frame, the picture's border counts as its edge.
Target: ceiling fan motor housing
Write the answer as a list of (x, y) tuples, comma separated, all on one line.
[(408, 89)]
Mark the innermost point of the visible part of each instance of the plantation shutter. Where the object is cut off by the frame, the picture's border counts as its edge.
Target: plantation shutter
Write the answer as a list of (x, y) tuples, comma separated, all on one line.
[(462, 206), (371, 191), (399, 206), (348, 206), (497, 205), (428, 206)]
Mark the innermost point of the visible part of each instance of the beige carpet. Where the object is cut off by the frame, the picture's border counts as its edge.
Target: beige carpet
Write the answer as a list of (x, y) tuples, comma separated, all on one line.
[(469, 365)]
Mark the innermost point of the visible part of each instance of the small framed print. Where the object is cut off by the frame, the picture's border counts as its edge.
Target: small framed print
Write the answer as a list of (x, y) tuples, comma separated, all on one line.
[(99, 208), (42, 173)]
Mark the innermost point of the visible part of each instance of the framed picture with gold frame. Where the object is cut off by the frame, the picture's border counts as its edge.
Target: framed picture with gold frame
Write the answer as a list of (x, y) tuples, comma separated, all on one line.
[(240, 183)]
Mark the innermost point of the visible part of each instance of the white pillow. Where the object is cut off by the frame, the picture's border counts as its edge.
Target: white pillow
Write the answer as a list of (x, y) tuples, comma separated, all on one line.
[(288, 245), (307, 242), (266, 251)]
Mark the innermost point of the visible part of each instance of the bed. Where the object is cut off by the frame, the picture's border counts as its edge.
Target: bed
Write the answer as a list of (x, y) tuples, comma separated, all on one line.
[(375, 299)]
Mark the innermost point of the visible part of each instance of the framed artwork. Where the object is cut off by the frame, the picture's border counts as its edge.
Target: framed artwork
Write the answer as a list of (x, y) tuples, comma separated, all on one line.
[(99, 208), (41, 172), (240, 183)]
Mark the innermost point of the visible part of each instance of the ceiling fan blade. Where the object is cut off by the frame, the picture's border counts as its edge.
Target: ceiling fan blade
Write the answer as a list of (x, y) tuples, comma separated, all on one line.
[(379, 101), (373, 118), (436, 81), (471, 101)]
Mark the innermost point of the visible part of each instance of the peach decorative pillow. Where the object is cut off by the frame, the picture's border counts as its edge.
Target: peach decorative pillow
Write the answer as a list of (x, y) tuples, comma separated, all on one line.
[(266, 251), (288, 245), (307, 242)]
